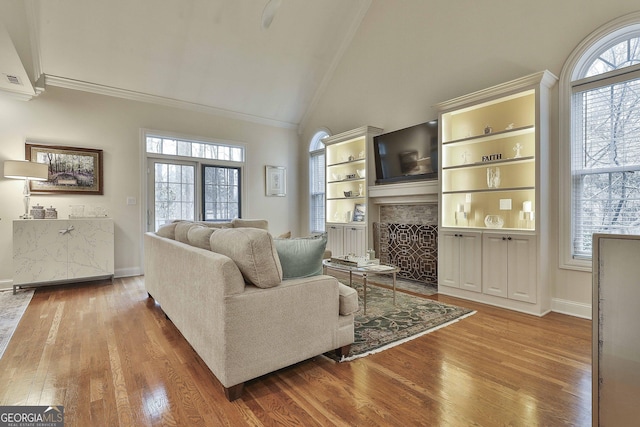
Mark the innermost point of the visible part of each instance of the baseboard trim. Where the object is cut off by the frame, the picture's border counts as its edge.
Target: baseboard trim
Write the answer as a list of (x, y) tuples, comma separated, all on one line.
[(6, 284), (128, 272), (571, 308)]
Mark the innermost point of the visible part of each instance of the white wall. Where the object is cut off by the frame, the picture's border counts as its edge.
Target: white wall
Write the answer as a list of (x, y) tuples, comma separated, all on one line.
[(73, 118), (409, 55)]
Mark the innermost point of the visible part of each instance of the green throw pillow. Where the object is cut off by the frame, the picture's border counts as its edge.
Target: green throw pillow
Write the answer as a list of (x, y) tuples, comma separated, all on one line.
[(302, 256)]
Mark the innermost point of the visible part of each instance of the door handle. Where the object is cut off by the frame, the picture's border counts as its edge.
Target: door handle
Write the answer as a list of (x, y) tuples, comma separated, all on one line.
[(68, 230)]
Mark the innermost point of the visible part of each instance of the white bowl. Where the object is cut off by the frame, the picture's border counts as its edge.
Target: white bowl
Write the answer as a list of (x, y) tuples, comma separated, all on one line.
[(360, 173), (493, 221)]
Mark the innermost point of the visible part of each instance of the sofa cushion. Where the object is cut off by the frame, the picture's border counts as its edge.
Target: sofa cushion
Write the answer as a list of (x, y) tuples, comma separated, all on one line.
[(212, 224), (348, 300), (200, 235), (254, 253), (182, 230), (167, 230), (301, 256), (262, 224)]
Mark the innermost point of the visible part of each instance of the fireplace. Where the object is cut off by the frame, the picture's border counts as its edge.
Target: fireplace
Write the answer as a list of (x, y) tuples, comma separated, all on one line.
[(407, 236)]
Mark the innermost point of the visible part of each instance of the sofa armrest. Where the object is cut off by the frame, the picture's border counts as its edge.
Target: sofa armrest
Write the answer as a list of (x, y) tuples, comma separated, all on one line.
[(348, 300)]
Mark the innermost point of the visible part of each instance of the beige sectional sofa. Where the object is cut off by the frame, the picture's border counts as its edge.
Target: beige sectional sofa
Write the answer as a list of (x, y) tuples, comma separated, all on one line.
[(232, 305)]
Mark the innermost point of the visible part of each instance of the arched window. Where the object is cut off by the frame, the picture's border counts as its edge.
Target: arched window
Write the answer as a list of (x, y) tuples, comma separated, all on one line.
[(316, 182), (601, 90)]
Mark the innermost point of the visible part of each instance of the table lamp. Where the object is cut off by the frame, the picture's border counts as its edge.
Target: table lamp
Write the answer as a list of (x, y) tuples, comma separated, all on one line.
[(23, 169)]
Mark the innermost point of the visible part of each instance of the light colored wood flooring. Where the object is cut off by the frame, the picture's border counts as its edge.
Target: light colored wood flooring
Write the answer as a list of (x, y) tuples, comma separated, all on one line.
[(108, 354)]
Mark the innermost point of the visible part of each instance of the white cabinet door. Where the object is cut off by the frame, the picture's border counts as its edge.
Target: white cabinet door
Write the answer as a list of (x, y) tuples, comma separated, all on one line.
[(460, 260), (90, 248), (494, 264), (39, 251), (449, 259), (335, 239), (509, 266), (355, 240), (471, 261), (522, 279)]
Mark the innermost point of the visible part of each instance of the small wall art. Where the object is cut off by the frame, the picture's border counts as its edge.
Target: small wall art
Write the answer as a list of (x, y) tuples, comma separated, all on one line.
[(276, 181)]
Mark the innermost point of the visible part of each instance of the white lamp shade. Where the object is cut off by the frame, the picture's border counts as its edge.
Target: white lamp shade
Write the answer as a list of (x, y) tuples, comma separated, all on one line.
[(21, 169)]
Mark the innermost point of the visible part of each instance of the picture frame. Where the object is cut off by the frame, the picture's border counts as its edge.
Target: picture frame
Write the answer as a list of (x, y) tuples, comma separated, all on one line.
[(359, 212), (276, 181), (72, 170)]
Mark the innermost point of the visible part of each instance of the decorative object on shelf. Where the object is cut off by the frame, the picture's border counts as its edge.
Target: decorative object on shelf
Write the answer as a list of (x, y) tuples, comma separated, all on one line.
[(77, 211), (71, 170), (493, 221), (510, 126), (22, 169), (351, 176), (505, 204), (51, 213), (37, 212), (517, 149), (347, 193), (351, 158), (359, 212), (488, 129), (466, 157), (460, 214), (527, 216), (493, 177), (276, 181), (361, 173), (361, 155), (360, 190), (348, 216), (492, 157)]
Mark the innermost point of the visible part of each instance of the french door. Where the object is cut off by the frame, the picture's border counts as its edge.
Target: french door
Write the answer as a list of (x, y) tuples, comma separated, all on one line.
[(191, 191)]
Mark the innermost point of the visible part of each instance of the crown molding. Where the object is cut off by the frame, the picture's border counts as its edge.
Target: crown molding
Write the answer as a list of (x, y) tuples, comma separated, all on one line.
[(67, 83), (543, 78), (20, 96)]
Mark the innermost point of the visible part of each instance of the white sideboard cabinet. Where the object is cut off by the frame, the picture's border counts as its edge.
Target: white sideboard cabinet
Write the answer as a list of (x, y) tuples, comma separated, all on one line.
[(51, 251)]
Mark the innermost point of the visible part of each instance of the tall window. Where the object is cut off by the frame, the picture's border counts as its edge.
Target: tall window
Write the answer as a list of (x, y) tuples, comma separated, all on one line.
[(192, 180), (316, 182), (605, 140)]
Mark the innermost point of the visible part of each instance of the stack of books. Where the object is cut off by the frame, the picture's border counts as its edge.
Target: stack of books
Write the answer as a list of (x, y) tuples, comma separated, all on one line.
[(354, 261)]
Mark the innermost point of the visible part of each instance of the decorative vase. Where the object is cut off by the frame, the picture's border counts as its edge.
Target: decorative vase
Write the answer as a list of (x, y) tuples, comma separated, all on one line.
[(493, 221)]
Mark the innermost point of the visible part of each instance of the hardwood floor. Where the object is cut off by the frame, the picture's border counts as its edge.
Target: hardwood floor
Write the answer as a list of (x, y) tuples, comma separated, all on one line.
[(108, 354)]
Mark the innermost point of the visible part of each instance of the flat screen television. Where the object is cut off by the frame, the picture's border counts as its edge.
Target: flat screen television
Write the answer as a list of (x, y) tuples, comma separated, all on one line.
[(407, 154)]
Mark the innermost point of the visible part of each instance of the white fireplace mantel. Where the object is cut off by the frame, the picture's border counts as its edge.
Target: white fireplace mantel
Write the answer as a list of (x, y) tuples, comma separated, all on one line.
[(413, 192)]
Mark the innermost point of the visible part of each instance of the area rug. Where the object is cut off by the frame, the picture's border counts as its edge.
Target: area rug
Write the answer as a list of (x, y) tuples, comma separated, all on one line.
[(12, 307), (385, 325)]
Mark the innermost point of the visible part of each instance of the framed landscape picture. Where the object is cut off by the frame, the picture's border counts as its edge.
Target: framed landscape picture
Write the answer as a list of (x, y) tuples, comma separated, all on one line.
[(71, 170)]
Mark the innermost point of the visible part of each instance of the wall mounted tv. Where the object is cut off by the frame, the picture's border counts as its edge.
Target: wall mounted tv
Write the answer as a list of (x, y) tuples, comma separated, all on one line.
[(407, 154)]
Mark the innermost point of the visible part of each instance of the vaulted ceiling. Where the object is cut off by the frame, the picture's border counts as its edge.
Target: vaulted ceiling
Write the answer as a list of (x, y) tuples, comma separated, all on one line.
[(209, 55)]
